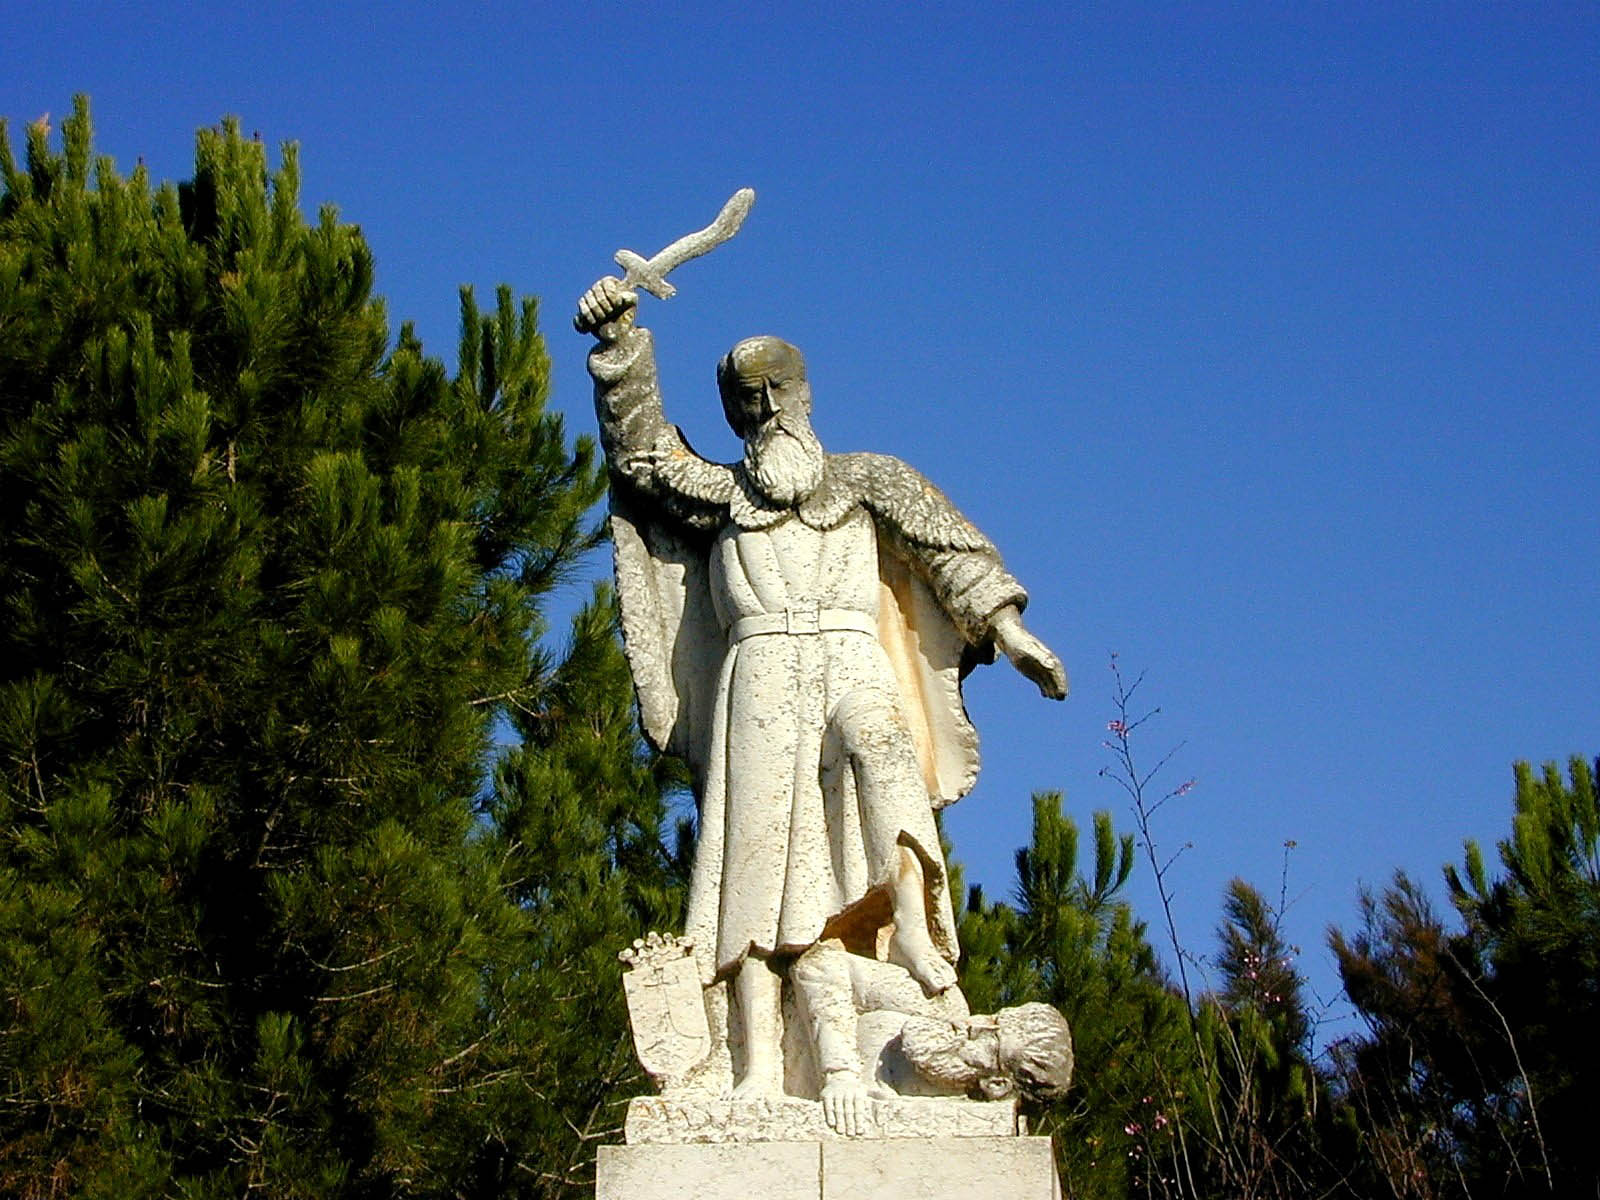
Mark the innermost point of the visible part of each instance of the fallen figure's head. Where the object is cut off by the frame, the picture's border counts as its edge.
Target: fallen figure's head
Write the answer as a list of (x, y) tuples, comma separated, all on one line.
[(1026, 1049)]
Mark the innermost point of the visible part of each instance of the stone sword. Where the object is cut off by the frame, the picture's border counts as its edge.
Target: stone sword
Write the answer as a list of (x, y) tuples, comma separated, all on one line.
[(651, 275)]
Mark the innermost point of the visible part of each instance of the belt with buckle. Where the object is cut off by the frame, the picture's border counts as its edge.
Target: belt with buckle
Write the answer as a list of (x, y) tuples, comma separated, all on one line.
[(802, 621)]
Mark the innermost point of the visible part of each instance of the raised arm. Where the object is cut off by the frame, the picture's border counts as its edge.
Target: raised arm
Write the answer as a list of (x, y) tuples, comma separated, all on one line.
[(646, 453)]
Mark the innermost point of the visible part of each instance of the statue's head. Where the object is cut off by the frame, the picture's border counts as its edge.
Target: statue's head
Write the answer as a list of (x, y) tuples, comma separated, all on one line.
[(1026, 1049), (1036, 1049), (768, 402), (759, 378)]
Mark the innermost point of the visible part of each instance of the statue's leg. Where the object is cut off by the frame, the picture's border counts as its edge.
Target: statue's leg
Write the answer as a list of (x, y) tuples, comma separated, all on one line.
[(764, 721), (897, 821), (911, 946), (758, 993)]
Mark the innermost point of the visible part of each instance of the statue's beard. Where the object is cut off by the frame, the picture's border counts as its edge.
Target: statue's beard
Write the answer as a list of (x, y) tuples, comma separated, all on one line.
[(784, 459)]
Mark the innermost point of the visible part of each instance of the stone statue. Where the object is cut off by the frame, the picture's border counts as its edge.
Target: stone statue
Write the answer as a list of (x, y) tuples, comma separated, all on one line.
[(875, 1034), (797, 624)]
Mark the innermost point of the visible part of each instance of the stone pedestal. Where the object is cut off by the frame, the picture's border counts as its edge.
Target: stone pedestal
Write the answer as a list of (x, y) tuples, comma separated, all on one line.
[(937, 1168), (656, 1120)]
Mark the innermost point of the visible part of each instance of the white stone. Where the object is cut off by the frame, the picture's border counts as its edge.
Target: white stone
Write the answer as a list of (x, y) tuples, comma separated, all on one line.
[(944, 1168), (771, 1171), (662, 1120), (940, 1169), (666, 1007), (797, 625)]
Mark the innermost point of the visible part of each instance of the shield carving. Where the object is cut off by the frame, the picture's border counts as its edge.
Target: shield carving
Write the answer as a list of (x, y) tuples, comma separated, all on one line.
[(666, 1005)]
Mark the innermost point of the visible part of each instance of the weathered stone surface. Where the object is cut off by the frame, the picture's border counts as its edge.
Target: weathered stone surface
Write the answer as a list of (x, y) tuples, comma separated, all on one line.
[(660, 1120), (798, 624), (940, 1169), (944, 1168), (666, 1007), (783, 1171)]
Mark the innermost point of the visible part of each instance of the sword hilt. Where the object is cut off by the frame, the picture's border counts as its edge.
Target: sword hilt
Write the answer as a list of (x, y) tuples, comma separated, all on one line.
[(637, 273)]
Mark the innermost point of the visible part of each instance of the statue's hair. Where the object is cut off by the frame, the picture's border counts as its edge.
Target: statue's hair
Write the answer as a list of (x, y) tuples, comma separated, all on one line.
[(1036, 1048), (749, 364)]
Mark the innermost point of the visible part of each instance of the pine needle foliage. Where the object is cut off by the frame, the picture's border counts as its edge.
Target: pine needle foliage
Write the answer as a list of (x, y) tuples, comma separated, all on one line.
[(1267, 1127), (1071, 941), (1218, 1101), (270, 586), (1475, 1074)]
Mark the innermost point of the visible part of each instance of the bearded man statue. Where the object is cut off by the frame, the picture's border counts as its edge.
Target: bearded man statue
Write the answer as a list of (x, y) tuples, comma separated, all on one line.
[(798, 624)]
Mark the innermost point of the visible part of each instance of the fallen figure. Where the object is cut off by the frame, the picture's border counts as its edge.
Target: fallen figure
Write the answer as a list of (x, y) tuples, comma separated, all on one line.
[(875, 1033)]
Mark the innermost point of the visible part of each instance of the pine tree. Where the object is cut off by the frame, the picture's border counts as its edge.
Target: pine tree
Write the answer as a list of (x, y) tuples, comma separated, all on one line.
[(1219, 1101), (1403, 971), (1267, 1125), (1474, 1076), (577, 814), (1539, 925), (269, 583), (1069, 941)]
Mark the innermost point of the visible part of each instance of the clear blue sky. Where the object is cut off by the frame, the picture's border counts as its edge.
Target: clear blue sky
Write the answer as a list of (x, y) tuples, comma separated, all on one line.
[(1264, 339)]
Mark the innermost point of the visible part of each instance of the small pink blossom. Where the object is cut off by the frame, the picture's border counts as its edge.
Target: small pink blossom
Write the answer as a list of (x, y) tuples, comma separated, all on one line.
[(1120, 728)]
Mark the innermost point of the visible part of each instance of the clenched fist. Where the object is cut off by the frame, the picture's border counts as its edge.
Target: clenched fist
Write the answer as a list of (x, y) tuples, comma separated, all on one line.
[(606, 309)]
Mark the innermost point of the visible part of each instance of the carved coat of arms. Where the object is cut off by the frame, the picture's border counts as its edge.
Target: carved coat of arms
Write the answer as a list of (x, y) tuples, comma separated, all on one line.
[(666, 1005)]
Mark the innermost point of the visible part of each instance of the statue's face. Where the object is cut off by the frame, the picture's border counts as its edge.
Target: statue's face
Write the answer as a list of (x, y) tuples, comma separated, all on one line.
[(756, 403), (785, 397), (761, 378)]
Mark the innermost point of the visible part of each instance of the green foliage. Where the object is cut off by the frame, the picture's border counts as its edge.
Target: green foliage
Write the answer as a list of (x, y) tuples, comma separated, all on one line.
[(1220, 1101), (1471, 1079), (1407, 977), (1266, 1127), (577, 813), (278, 914), (1070, 941), (268, 584)]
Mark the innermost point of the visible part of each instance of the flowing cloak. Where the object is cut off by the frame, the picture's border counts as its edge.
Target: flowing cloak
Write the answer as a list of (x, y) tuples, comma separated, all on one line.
[(940, 583)]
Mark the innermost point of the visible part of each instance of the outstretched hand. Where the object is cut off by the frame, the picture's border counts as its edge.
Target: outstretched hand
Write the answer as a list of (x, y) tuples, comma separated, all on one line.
[(607, 309), (1028, 654)]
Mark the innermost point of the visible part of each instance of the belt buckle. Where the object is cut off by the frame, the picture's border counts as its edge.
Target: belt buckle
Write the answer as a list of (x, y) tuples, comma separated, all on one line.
[(802, 620)]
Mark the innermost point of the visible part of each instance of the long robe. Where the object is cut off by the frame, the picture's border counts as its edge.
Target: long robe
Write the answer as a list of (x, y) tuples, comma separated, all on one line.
[(782, 850)]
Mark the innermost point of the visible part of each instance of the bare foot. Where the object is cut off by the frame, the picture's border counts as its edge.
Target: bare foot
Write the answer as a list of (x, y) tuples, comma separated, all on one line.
[(915, 952), (757, 1085)]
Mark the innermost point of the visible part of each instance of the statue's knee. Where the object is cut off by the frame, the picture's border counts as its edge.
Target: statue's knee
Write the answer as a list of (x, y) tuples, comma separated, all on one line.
[(821, 977), (816, 964), (866, 716)]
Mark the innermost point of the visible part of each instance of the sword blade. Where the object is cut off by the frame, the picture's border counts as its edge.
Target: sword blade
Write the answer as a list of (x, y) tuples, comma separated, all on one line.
[(651, 275)]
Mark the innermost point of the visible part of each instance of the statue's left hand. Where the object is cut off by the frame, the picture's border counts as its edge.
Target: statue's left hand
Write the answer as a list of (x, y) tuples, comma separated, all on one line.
[(1028, 654)]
